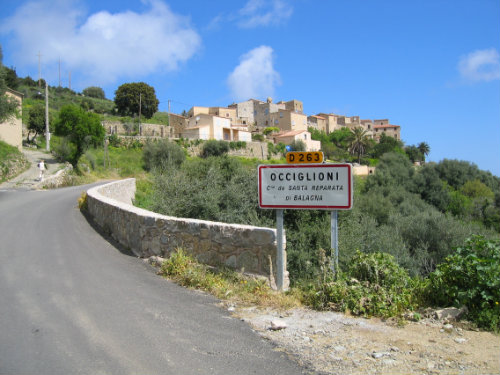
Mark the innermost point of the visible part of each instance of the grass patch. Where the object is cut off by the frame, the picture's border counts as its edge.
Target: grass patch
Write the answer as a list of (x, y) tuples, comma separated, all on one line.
[(12, 162), (224, 283)]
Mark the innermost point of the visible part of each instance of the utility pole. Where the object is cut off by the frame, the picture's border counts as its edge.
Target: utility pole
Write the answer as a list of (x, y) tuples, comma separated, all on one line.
[(47, 131), (140, 108), (69, 80), (169, 112), (39, 70)]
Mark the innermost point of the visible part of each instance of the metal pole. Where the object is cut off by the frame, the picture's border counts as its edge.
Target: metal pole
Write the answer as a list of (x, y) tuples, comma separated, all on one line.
[(280, 256), (335, 242), (47, 131), (140, 109)]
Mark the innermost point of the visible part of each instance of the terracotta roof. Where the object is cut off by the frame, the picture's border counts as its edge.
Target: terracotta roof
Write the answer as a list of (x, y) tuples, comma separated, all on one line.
[(386, 126), (290, 133), (316, 116)]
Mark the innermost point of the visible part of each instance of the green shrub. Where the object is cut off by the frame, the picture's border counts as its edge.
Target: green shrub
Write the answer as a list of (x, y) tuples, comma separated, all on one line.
[(374, 285), (114, 140), (63, 149), (256, 137), (237, 145), (470, 277), (214, 148), (162, 154), (218, 189)]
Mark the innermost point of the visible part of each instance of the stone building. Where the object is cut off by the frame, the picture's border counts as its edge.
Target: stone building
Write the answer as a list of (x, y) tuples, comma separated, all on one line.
[(393, 131), (206, 126), (296, 135), (11, 130)]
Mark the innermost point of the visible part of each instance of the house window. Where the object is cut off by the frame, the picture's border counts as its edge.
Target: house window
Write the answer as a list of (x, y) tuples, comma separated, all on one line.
[(305, 136), (293, 122), (281, 114), (266, 112), (276, 121), (227, 114)]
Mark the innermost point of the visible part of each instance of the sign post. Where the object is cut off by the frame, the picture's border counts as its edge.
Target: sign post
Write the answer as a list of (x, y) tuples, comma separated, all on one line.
[(280, 256), (309, 187)]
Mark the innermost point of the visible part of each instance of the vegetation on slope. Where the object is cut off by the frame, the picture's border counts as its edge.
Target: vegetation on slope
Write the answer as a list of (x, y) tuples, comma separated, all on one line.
[(12, 162)]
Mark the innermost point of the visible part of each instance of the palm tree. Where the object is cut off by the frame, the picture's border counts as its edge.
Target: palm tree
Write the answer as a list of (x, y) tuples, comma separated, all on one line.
[(359, 142), (424, 148)]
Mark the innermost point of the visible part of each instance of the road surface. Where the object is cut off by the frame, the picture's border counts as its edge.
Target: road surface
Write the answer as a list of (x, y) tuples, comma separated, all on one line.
[(71, 303)]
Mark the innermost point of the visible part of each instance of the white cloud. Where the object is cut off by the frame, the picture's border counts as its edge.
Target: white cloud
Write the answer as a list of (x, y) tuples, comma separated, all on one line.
[(264, 13), (481, 65), (104, 46), (255, 76)]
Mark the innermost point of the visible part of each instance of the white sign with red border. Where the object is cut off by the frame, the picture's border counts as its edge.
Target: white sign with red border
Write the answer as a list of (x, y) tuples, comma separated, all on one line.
[(306, 186)]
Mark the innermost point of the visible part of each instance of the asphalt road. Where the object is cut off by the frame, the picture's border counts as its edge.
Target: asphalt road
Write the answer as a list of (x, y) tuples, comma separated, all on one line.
[(72, 303)]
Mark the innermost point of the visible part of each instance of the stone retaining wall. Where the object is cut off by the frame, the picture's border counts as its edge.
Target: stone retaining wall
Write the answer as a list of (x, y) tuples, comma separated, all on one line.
[(146, 233)]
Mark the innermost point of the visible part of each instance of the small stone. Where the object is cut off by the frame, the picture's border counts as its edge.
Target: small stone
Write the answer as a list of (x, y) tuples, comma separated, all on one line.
[(460, 340), (394, 349), (388, 362), (230, 308), (307, 339), (339, 348), (277, 325), (448, 328), (431, 365), (378, 355)]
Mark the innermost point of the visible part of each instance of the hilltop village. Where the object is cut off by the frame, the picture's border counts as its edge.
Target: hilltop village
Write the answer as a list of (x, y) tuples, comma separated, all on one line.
[(238, 121)]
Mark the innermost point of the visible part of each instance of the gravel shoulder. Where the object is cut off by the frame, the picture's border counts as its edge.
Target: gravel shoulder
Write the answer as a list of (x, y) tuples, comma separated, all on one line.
[(333, 343)]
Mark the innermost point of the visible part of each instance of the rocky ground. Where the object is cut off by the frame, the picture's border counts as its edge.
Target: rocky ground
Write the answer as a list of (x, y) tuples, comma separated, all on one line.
[(29, 179), (333, 343)]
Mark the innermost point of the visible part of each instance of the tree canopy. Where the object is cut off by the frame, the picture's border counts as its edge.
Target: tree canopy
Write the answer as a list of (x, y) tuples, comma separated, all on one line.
[(129, 97), (94, 92), (359, 142), (8, 106), (36, 119), (81, 128)]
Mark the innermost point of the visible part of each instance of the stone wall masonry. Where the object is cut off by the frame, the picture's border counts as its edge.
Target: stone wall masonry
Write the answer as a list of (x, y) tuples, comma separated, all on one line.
[(145, 233)]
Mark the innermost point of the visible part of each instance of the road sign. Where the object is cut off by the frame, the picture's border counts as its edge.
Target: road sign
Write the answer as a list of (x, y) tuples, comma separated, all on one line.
[(299, 157), (310, 186)]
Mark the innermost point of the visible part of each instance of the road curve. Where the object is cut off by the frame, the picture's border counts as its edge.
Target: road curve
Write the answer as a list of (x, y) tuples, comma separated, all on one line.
[(71, 303)]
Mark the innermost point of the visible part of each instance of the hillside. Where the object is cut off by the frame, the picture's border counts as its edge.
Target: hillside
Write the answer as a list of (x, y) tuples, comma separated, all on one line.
[(12, 162), (61, 96)]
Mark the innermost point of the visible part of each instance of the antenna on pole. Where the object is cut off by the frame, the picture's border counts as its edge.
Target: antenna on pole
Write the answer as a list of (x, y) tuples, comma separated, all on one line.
[(59, 72), (47, 131), (169, 112), (39, 69), (140, 108), (69, 82)]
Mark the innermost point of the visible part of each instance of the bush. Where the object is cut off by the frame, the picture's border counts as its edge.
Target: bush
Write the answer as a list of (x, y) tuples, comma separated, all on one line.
[(94, 92), (298, 145), (214, 148), (162, 154), (374, 285), (63, 149), (114, 140), (218, 189), (256, 137), (470, 277), (237, 145)]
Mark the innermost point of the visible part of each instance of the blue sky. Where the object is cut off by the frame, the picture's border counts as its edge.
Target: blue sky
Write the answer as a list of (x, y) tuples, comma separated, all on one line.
[(430, 66)]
